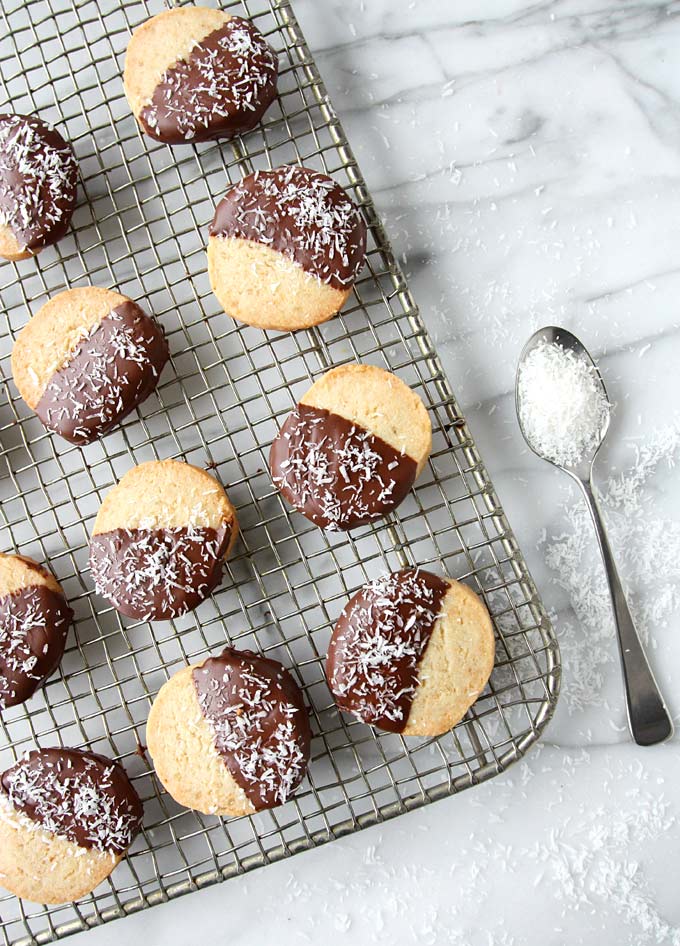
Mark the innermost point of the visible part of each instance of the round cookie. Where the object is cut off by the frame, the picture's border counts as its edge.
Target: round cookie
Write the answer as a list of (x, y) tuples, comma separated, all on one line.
[(410, 653), (353, 447), (194, 73), (230, 736), (160, 539), (67, 817), (38, 185), (285, 248), (34, 623), (86, 359)]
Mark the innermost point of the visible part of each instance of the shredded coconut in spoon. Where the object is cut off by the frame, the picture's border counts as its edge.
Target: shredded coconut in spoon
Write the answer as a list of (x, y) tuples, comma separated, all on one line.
[(562, 404)]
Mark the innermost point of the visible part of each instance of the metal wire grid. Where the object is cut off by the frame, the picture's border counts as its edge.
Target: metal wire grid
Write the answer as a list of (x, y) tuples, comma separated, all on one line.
[(141, 227)]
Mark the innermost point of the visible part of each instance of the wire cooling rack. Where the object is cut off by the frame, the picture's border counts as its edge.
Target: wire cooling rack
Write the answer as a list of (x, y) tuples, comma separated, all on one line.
[(141, 227)]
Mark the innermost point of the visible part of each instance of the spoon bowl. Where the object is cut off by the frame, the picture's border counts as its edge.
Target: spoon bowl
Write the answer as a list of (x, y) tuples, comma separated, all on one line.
[(553, 335)]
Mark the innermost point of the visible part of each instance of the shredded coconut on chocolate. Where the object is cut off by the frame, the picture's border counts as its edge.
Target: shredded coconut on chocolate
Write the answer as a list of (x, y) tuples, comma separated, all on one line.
[(113, 369), (38, 181), (76, 795), (336, 473), (259, 720), (302, 214), (221, 90), (155, 573), (34, 623), (377, 645)]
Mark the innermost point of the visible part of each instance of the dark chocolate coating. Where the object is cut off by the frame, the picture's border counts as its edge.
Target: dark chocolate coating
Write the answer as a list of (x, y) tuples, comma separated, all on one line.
[(38, 181), (259, 719), (109, 374), (302, 214), (377, 644), (158, 574), (336, 473), (223, 89), (34, 623), (83, 797)]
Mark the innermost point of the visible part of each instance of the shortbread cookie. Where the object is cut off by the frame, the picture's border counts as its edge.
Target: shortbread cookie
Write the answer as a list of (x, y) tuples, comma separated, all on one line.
[(34, 623), (285, 248), (67, 817), (230, 736), (353, 447), (410, 653), (195, 73), (87, 359), (160, 539), (38, 184)]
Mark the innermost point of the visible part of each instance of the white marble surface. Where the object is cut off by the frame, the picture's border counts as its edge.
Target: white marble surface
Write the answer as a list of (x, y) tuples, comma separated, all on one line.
[(525, 157)]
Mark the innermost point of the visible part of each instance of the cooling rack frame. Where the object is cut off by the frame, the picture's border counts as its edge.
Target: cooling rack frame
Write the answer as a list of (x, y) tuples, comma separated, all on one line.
[(141, 226)]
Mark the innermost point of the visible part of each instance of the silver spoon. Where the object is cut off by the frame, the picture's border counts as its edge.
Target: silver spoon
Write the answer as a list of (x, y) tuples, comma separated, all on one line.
[(648, 718)]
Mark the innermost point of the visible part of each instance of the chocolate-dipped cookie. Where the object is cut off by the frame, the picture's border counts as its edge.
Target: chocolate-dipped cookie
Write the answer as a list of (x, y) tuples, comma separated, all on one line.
[(410, 653), (194, 73), (86, 359), (34, 623), (160, 540), (285, 248), (230, 736), (67, 818), (352, 448), (38, 184)]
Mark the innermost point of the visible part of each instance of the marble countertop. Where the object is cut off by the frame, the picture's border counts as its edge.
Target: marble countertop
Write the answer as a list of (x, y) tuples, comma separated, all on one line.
[(525, 157)]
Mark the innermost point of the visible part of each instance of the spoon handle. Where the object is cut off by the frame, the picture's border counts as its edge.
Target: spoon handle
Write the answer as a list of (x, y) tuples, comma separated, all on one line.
[(648, 717)]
